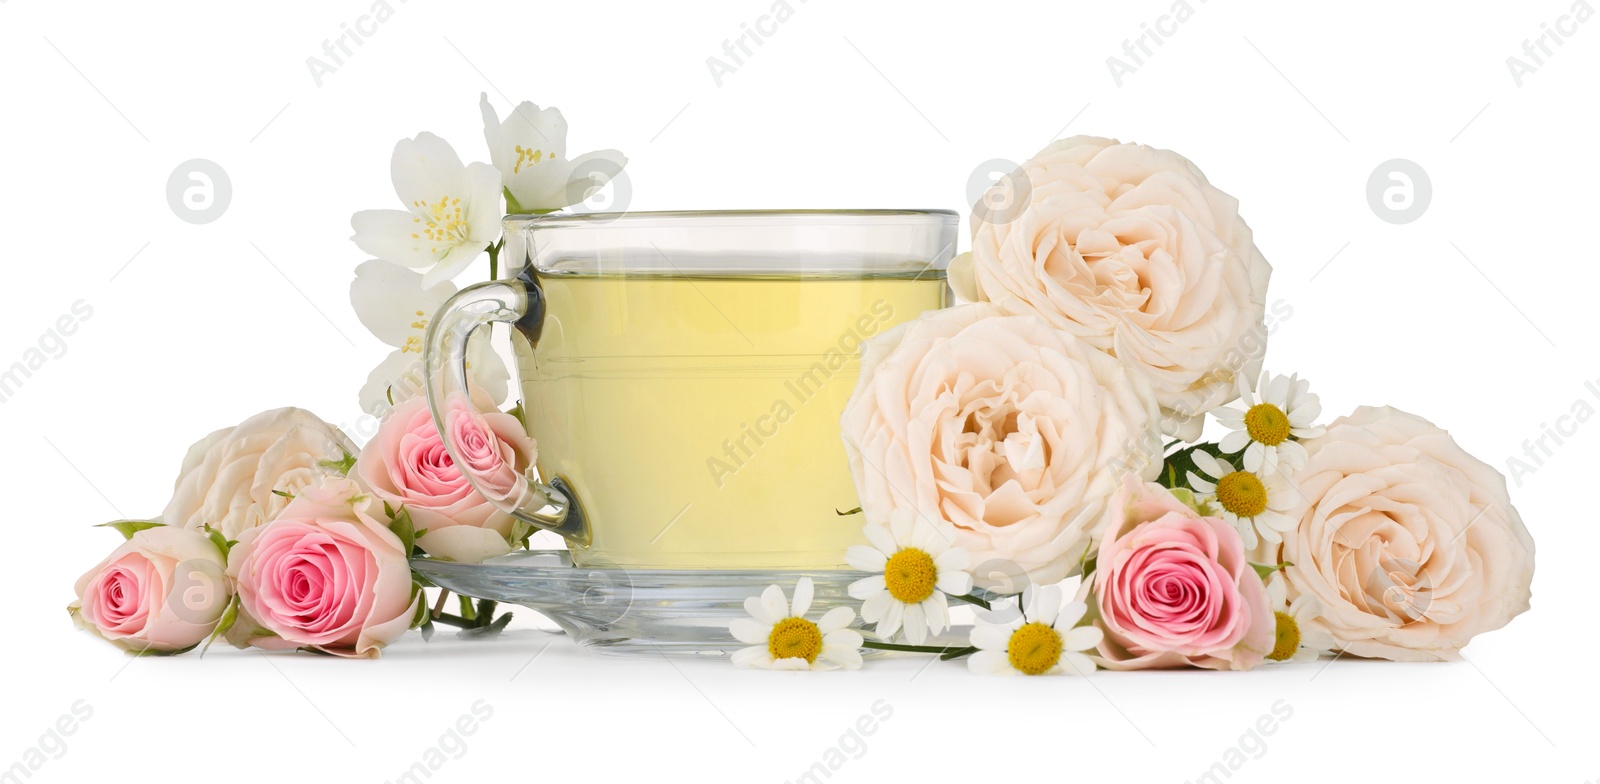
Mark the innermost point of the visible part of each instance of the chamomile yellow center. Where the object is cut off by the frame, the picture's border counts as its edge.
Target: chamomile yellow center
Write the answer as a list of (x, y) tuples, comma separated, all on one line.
[(795, 638), (1288, 640), (910, 575), (1034, 648), (1267, 424), (1242, 493)]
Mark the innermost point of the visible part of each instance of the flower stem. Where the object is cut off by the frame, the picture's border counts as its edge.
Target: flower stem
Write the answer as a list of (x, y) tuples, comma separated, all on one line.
[(944, 651), (494, 260), (454, 620), (970, 599)]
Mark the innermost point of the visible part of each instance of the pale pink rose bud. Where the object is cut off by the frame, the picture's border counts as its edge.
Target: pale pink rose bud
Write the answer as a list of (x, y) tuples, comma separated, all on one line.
[(162, 591), (406, 465)]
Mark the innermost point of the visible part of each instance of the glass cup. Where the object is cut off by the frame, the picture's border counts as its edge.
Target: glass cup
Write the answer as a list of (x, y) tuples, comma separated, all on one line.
[(683, 374)]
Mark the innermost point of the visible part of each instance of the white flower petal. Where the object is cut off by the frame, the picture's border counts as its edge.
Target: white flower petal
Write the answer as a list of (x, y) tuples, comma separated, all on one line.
[(880, 538), (867, 587), (890, 622), (1082, 638), (1253, 457), (916, 624), (1231, 443), (866, 559), (790, 663), (953, 559), (773, 607), (749, 631), (990, 637), (387, 234), (836, 619), (954, 583), (989, 662), (876, 607), (804, 590), (1210, 465), (390, 301), (426, 169), (752, 657), (1074, 663)]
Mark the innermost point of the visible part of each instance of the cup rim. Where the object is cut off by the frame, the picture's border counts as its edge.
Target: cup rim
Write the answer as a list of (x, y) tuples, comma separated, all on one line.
[(801, 216)]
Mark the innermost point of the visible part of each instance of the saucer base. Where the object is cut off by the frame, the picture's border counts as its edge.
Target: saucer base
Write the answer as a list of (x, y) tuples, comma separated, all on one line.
[(675, 613)]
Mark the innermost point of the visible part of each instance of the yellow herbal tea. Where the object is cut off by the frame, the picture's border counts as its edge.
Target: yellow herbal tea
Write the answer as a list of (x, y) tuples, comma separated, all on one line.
[(697, 418)]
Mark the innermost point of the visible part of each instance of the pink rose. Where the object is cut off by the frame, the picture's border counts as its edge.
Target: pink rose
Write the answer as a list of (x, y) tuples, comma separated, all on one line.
[(406, 465), (324, 574), (161, 591), (1173, 589)]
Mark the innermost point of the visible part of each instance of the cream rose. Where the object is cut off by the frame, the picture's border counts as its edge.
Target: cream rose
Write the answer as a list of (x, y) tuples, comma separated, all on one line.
[(241, 477), (1129, 248), (1014, 432), (1410, 544)]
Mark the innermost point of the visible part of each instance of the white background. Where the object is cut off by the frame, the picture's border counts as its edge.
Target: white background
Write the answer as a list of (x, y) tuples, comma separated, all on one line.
[(1479, 315)]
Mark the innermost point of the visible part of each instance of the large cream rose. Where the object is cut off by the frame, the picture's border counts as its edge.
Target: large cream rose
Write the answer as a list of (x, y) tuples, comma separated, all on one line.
[(1410, 544), (1014, 432), (1129, 248), (240, 477)]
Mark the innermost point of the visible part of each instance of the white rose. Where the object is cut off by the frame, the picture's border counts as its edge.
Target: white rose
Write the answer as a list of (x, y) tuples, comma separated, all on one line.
[(1016, 433), (1410, 544), (1129, 248), (240, 477)]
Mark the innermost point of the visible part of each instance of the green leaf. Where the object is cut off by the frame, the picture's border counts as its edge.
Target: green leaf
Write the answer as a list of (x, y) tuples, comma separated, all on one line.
[(224, 544), (229, 616), (520, 413), (421, 618), (469, 610), (847, 513), (521, 532), (342, 465), (283, 494), (130, 527), (491, 630), (1266, 570), (402, 527)]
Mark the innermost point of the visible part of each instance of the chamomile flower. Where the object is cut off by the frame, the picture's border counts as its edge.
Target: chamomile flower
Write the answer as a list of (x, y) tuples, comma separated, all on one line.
[(1041, 640), (781, 638), (916, 566), (1297, 639), (1266, 427), (1250, 502)]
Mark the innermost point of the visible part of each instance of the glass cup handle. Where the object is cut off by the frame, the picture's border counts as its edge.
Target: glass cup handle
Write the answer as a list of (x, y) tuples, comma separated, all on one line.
[(548, 507)]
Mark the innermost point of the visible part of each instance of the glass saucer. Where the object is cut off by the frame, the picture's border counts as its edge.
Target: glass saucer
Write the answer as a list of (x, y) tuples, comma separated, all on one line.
[(678, 613)]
